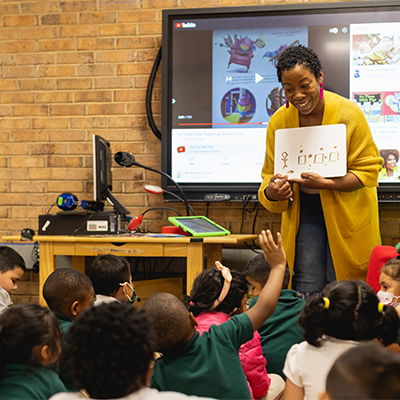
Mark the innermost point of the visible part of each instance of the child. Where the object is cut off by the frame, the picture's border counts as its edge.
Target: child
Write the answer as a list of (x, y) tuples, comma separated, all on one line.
[(111, 351), (366, 372), (216, 295), (30, 339), (67, 293), (112, 279), (12, 268), (348, 312), (209, 365), (281, 330), (389, 282)]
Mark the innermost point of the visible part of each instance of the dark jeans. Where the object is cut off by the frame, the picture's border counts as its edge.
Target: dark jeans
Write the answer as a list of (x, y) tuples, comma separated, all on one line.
[(313, 265)]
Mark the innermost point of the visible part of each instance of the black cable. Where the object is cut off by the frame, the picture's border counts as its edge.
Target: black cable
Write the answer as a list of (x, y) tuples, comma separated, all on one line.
[(48, 211), (149, 92)]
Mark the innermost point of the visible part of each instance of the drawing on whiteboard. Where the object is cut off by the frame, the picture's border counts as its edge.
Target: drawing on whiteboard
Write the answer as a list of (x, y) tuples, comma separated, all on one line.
[(284, 159)]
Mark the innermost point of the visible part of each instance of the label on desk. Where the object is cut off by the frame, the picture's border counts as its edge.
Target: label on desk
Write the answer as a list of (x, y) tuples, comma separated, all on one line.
[(122, 249)]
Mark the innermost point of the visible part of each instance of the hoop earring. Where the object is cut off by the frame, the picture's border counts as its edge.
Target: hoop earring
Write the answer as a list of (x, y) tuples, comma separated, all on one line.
[(321, 91), (287, 103)]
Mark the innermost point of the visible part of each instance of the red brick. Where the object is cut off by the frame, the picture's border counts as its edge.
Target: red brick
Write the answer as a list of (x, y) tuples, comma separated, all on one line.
[(43, 32), (74, 83), (78, 31), (79, 148), (113, 5), (67, 109), (19, 162), (96, 70), (14, 123), (13, 224), (106, 109), (116, 56), (73, 5), (65, 161), (8, 59), (97, 18), (149, 28), (18, 46), (135, 43), (20, 20), (9, 9), (18, 72), (7, 198), (56, 45), (28, 187), (165, 4), (80, 174), (47, 173), (6, 111), (134, 68), (78, 57), (53, 97), (4, 212), (4, 186), (39, 7), (14, 174), (95, 44), (67, 186), (93, 95), (56, 70), (128, 122), (88, 122), (50, 123), (130, 95), (111, 135), (41, 199), (59, 19), (113, 82), (138, 16), (23, 109), (67, 135), (35, 59), (37, 84), (118, 30), (8, 84), (48, 148)]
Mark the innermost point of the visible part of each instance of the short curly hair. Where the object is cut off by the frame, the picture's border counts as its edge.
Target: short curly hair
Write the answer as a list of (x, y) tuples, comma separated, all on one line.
[(387, 152), (298, 55), (110, 348)]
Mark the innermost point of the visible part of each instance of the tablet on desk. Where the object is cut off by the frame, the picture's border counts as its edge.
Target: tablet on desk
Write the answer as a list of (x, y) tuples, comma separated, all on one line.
[(199, 226)]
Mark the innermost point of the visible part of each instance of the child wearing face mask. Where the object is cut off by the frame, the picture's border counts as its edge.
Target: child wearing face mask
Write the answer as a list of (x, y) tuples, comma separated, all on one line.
[(112, 280), (389, 282)]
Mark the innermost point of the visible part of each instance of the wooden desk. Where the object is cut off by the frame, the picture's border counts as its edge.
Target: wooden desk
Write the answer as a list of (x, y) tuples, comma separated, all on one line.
[(78, 247)]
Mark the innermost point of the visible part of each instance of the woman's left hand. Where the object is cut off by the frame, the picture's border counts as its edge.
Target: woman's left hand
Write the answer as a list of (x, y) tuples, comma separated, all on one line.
[(311, 180)]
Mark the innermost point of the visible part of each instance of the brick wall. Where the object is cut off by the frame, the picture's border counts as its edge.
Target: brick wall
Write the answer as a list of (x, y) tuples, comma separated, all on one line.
[(73, 68)]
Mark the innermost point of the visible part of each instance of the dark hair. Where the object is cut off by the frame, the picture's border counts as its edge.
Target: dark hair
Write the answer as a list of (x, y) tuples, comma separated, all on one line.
[(392, 268), (208, 286), (23, 327), (366, 372), (64, 286), (298, 55), (110, 348), (10, 259), (170, 321), (258, 270), (352, 314), (386, 153), (108, 271)]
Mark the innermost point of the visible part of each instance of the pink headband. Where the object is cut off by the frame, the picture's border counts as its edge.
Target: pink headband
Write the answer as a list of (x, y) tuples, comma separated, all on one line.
[(226, 273)]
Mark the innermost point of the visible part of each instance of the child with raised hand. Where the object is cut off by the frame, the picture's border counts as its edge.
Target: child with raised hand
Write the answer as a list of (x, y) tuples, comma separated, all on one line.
[(367, 372), (12, 269), (347, 313), (281, 330), (112, 279), (30, 339), (217, 294), (209, 365)]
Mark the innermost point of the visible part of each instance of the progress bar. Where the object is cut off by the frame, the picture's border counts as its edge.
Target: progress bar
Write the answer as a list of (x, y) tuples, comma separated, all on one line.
[(223, 123)]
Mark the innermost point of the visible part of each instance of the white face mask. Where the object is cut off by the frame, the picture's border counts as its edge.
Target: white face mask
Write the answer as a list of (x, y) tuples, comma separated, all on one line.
[(134, 297), (387, 298)]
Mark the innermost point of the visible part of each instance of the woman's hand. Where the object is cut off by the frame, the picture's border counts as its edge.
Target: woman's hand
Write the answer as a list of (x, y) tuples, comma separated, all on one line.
[(279, 188), (311, 180)]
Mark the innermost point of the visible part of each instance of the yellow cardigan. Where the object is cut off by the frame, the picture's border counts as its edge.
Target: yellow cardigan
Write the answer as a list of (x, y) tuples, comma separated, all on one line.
[(351, 218)]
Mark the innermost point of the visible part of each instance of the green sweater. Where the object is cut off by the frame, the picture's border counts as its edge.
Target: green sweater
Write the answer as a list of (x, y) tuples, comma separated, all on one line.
[(281, 330), (21, 381)]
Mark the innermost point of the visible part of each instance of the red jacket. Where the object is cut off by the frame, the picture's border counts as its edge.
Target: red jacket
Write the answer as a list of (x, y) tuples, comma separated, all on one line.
[(250, 354)]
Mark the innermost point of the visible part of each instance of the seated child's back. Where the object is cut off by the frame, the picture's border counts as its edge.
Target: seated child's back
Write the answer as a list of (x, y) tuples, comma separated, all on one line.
[(30, 339), (67, 293)]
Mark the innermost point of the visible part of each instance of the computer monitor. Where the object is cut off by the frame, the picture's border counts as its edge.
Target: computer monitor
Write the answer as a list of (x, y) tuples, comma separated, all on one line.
[(102, 174)]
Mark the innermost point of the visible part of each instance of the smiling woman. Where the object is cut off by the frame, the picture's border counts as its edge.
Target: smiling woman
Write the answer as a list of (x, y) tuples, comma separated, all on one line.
[(390, 170), (329, 226)]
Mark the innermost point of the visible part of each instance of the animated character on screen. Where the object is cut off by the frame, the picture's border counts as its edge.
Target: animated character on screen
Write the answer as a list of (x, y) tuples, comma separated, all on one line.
[(242, 49), (390, 170), (274, 55), (245, 106)]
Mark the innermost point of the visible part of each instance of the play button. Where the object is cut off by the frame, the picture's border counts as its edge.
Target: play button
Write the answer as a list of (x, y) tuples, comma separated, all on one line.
[(258, 78)]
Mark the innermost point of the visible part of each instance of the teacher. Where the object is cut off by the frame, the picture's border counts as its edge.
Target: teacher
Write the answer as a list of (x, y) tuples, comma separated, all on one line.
[(329, 225)]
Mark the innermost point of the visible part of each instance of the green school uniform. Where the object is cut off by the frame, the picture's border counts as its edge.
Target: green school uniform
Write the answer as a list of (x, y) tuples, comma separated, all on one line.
[(209, 365), (21, 381), (281, 330), (64, 372)]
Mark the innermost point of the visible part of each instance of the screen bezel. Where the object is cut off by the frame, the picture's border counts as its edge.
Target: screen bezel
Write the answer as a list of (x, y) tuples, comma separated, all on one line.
[(387, 191)]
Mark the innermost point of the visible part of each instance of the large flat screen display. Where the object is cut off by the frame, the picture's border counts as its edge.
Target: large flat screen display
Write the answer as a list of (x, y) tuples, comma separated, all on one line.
[(220, 87)]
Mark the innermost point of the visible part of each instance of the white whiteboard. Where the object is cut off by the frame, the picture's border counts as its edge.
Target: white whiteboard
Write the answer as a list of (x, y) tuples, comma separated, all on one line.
[(320, 149)]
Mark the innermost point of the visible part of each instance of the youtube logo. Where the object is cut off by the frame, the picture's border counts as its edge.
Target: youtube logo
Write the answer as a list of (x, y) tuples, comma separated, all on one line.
[(178, 25), (181, 149)]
